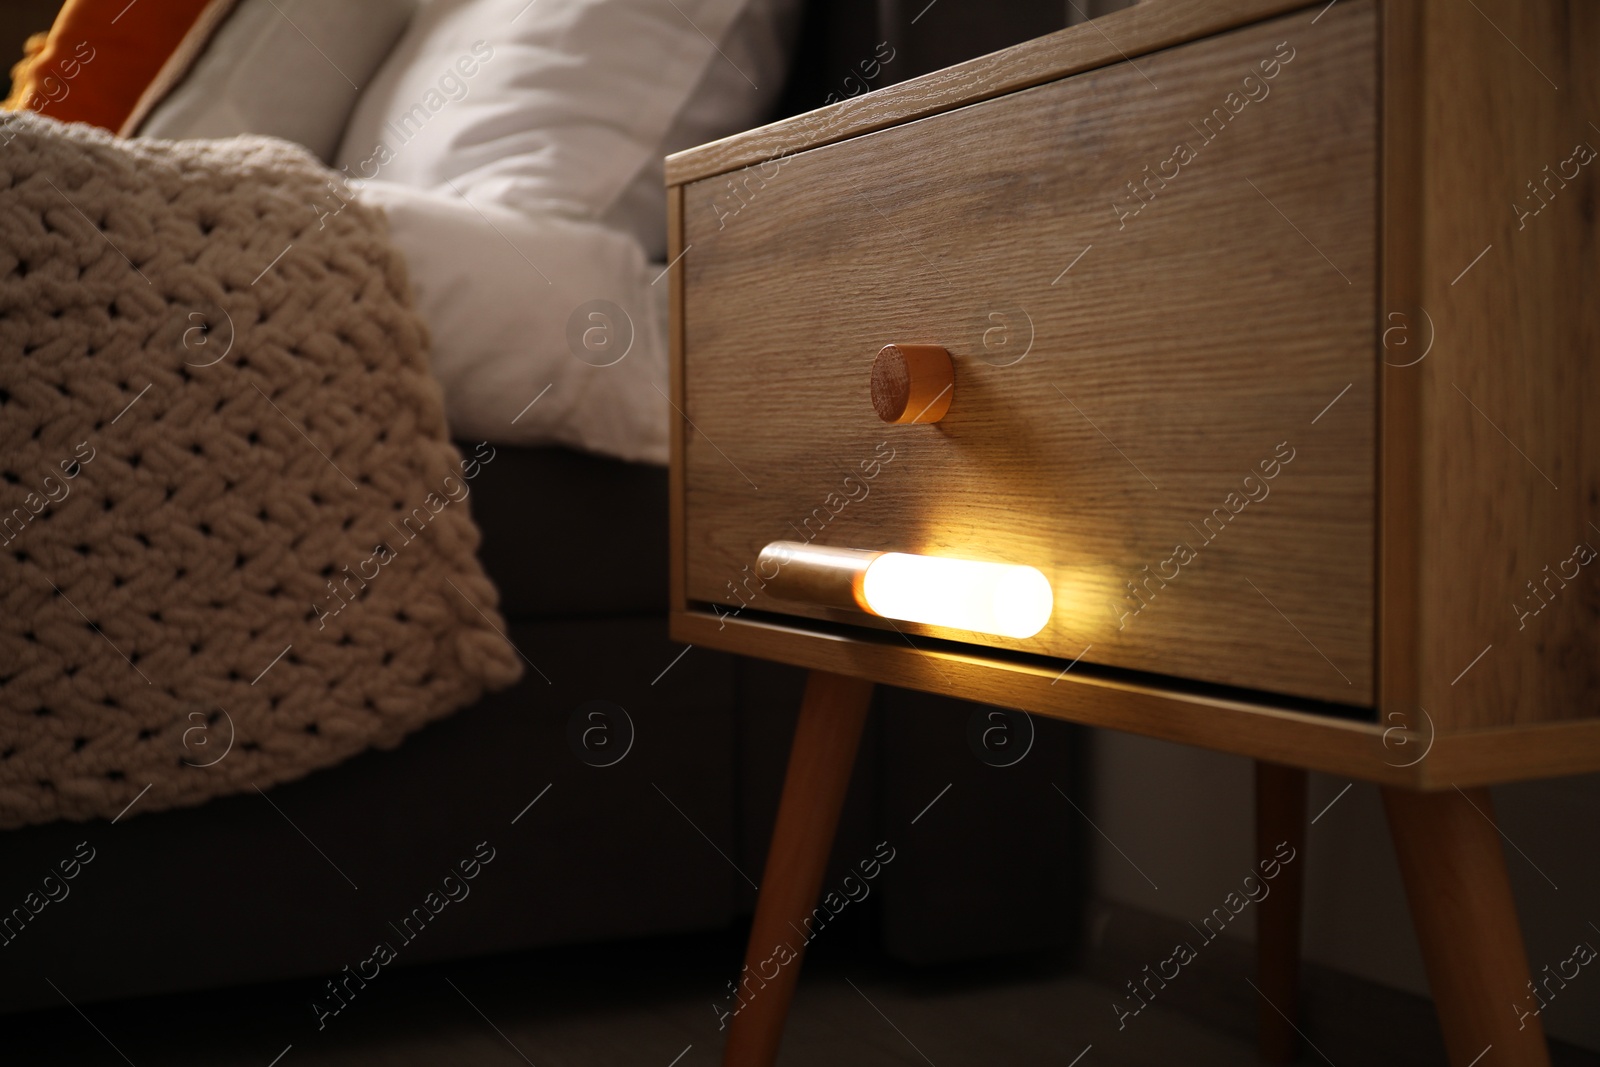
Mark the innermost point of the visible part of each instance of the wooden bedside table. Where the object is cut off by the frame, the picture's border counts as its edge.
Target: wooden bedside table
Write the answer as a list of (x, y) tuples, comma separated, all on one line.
[(1271, 335)]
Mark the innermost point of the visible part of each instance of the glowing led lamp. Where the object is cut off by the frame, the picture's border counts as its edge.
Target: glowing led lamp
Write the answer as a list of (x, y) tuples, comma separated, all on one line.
[(988, 598), (963, 594)]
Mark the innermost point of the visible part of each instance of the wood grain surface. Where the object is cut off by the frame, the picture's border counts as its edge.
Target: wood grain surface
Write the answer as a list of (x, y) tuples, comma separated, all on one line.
[(1508, 460), (1315, 741), (826, 737), (677, 426), (1127, 360), (1403, 336), (1115, 37), (1466, 921), (1421, 759)]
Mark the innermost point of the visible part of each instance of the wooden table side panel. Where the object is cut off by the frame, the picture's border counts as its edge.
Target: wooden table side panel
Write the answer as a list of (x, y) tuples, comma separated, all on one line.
[(676, 596), (1405, 334), (1511, 446)]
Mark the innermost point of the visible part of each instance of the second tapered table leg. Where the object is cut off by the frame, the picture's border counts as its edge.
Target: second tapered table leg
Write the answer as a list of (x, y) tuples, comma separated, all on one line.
[(1455, 874), (1280, 819)]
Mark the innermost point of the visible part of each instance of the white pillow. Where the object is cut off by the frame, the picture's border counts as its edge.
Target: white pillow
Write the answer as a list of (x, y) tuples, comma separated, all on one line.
[(284, 68), (551, 117), (571, 103), (722, 103), (505, 336)]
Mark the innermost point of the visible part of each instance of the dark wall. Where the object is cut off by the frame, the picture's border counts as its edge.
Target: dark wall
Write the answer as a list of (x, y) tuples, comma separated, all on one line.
[(844, 42), (19, 20)]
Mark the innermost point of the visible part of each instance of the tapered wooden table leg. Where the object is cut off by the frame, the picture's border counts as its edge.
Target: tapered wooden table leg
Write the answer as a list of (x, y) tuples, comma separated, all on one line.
[(1466, 920), (820, 761), (1280, 820)]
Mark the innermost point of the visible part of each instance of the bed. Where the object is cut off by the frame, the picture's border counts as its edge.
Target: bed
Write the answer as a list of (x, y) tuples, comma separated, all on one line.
[(295, 880)]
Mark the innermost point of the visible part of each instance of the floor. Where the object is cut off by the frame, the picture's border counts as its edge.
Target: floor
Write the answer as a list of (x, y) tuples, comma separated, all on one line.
[(655, 1003)]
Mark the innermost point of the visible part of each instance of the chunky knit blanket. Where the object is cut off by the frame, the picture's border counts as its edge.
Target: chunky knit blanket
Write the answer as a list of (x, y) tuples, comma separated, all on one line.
[(234, 537)]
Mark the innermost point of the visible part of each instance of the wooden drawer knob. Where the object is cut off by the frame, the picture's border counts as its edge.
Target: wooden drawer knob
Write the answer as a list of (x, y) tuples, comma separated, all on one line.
[(912, 383)]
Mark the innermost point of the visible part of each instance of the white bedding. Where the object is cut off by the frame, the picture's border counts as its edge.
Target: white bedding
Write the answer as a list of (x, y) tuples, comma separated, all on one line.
[(518, 152), (498, 288), (516, 147)]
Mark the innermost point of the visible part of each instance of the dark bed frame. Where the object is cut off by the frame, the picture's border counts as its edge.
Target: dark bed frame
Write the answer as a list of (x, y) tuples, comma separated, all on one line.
[(659, 842)]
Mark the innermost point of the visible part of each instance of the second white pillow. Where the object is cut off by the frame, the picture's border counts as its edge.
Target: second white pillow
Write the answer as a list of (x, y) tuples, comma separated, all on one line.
[(285, 68), (543, 106)]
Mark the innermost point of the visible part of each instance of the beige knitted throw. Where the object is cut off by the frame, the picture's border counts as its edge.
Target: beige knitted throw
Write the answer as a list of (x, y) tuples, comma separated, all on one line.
[(234, 536)]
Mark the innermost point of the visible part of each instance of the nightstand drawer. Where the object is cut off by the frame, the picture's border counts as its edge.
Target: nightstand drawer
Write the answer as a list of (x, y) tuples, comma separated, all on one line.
[(1156, 284)]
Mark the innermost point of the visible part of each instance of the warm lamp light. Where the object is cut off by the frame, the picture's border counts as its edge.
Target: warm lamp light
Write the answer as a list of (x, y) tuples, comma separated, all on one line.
[(963, 594)]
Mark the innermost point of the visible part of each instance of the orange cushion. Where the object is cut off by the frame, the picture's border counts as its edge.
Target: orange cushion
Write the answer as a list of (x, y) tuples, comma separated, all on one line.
[(99, 57)]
